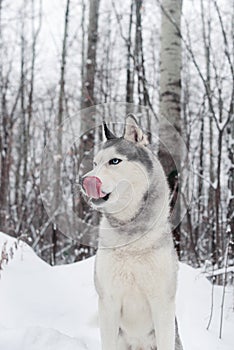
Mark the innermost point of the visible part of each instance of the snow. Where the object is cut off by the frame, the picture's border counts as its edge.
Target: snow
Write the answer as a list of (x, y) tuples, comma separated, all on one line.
[(55, 308)]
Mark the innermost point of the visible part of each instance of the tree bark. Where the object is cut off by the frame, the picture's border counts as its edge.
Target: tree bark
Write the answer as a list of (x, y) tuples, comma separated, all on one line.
[(5, 157), (89, 75), (60, 117), (88, 99), (170, 95), (130, 64), (230, 146)]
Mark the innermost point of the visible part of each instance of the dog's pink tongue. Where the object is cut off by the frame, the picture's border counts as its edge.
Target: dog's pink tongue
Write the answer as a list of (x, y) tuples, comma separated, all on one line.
[(92, 186)]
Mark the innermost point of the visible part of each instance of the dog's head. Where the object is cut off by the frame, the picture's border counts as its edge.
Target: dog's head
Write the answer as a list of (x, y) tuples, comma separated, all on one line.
[(122, 168)]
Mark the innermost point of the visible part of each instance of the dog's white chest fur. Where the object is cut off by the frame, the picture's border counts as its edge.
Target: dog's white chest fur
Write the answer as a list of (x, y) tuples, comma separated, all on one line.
[(131, 280)]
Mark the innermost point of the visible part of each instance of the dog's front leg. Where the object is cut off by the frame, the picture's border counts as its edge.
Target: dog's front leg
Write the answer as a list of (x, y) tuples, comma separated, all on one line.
[(163, 312), (109, 316)]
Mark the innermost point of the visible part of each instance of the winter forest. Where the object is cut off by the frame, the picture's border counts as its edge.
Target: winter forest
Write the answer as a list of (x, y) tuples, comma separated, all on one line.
[(65, 67), (176, 60)]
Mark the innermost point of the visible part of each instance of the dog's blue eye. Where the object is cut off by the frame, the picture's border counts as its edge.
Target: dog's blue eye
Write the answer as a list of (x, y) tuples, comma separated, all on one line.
[(115, 161)]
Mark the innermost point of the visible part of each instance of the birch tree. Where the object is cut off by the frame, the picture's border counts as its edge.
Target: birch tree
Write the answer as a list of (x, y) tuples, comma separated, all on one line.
[(170, 91)]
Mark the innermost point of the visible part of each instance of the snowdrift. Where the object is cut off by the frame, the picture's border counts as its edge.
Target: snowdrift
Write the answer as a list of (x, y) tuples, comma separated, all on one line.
[(55, 308)]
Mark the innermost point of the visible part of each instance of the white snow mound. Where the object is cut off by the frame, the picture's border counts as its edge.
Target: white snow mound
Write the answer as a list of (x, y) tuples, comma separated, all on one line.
[(55, 308)]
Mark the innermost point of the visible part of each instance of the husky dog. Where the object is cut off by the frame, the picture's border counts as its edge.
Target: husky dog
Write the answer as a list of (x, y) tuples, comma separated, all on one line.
[(136, 264)]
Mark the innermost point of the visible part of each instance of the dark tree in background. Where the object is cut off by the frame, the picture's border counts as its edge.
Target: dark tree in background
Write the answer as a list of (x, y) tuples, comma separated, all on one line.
[(88, 98), (59, 138)]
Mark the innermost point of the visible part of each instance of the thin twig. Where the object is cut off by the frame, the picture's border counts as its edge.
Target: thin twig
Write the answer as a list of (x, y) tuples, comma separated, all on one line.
[(224, 290), (212, 299)]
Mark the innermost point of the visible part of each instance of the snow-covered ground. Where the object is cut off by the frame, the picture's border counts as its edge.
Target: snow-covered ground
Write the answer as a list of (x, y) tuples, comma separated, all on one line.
[(55, 308)]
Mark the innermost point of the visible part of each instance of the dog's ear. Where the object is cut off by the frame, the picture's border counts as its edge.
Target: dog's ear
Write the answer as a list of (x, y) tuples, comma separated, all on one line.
[(106, 133), (133, 132)]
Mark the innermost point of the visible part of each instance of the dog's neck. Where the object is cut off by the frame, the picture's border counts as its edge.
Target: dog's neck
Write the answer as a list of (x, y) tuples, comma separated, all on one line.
[(127, 209), (128, 215), (151, 215)]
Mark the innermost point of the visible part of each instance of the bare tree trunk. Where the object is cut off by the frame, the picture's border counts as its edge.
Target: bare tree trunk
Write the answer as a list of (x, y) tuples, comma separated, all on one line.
[(218, 239), (170, 94), (143, 94), (35, 30), (206, 33), (88, 98), (22, 146), (200, 204), (139, 64), (4, 143), (130, 64), (230, 213), (5, 155), (83, 41), (230, 147), (35, 33), (89, 75), (60, 116)]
